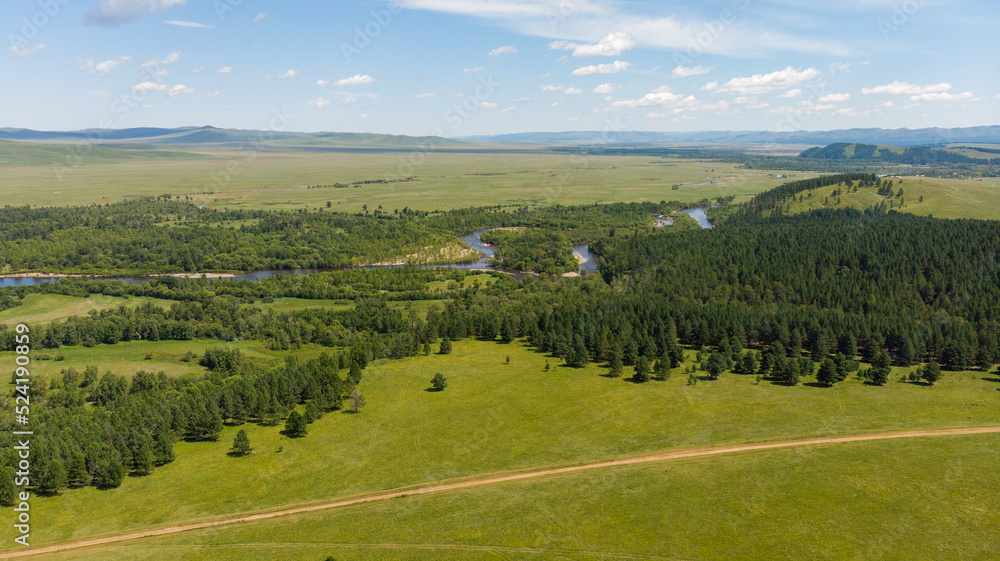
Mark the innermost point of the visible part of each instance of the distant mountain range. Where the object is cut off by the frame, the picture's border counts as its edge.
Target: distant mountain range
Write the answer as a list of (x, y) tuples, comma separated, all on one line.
[(897, 137), (189, 136), (211, 136)]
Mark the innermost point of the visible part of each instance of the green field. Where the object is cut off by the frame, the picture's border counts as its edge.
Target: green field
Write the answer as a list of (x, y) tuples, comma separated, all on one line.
[(943, 198), (822, 503), (444, 180), (498, 417), (46, 308)]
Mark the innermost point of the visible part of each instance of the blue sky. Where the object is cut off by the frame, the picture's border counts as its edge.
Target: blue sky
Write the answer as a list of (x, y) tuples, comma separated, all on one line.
[(470, 67)]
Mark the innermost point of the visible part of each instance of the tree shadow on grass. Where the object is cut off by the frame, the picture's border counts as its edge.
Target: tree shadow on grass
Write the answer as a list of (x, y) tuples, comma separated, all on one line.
[(433, 390), (994, 380)]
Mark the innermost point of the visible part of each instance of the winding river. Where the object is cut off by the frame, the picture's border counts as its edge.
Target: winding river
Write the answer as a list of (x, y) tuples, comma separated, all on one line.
[(588, 261)]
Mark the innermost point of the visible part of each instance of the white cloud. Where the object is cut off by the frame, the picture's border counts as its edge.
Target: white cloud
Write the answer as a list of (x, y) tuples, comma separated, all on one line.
[(943, 96), (606, 88), (553, 88), (319, 102), (507, 8), (655, 99), (180, 89), (475, 70), (224, 70), (171, 58), (425, 95), (573, 91), (356, 80), (676, 103), (528, 100), (505, 50), (290, 74), (765, 83), (213, 94), (791, 94), (22, 51), (612, 45), (840, 67), (834, 98), (260, 17), (510, 108), (611, 68), (554, 104), (188, 24), (684, 71), (906, 88), (322, 83), (149, 87), (120, 12), (846, 112), (103, 68), (198, 70), (488, 105), (751, 102), (887, 105)]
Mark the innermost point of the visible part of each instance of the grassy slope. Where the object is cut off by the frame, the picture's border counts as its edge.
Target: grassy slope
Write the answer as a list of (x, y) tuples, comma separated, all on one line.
[(943, 198), (46, 308), (496, 417), (13, 153), (926, 499), (445, 180)]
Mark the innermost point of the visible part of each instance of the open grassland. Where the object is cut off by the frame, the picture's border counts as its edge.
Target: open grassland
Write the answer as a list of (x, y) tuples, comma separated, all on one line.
[(933, 498), (943, 198), (444, 180), (497, 417), (46, 308)]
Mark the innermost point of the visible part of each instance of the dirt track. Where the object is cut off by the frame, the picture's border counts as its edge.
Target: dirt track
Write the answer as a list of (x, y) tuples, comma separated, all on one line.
[(488, 480)]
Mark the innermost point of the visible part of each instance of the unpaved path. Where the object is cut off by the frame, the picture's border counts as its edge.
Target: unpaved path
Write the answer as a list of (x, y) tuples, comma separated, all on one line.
[(490, 480)]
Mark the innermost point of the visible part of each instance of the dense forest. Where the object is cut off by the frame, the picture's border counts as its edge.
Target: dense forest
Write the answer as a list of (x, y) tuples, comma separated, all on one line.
[(768, 294), (153, 236)]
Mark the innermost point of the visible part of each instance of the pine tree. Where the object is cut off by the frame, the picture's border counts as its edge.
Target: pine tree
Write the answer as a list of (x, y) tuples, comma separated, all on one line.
[(827, 374), (439, 382), (144, 460), (616, 365), (931, 373), (641, 370), (295, 425), (241, 444), (445, 346), (8, 491), (77, 475)]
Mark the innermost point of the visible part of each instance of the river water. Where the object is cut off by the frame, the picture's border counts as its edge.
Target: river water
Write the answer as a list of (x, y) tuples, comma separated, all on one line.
[(588, 261)]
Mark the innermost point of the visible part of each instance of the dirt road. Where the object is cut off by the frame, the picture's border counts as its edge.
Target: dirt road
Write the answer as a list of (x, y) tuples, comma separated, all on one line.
[(494, 479)]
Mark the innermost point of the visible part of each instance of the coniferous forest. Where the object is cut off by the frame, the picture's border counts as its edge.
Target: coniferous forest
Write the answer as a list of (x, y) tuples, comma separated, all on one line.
[(765, 293)]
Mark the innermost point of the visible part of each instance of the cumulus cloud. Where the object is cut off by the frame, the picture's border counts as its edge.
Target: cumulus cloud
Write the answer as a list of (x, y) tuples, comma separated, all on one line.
[(103, 68), (846, 112), (606, 88), (290, 74), (180, 23), (475, 70), (425, 95), (611, 68), (356, 80), (834, 98), (612, 45), (180, 89), (224, 70), (120, 12), (260, 17), (684, 71), (944, 96), (22, 51), (759, 84), (322, 83), (563, 89), (528, 100), (791, 94), (488, 105), (906, 88), (149, 87), (319, 102), (505, 50), (171, 58)]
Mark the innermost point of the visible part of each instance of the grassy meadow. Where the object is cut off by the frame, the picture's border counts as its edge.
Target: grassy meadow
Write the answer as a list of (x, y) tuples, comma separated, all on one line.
[(820, 503), (497, 417), (444, 180)]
